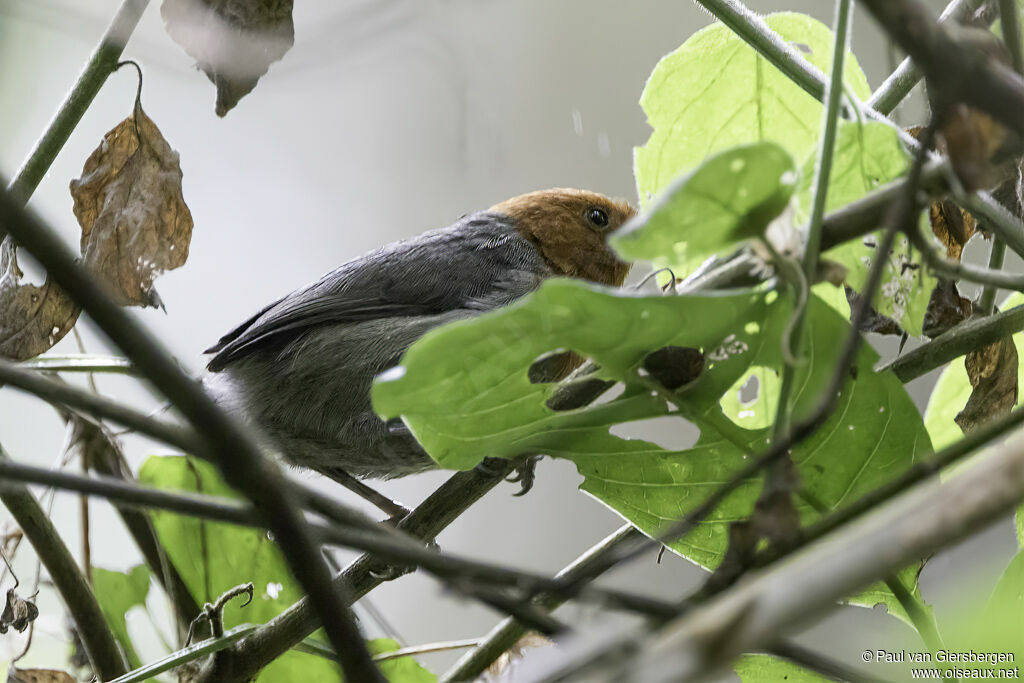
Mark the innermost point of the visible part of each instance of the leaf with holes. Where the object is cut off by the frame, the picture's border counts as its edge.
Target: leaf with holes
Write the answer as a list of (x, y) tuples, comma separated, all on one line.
[(479, 400), (868, 155), (728, 199), (715, 92)]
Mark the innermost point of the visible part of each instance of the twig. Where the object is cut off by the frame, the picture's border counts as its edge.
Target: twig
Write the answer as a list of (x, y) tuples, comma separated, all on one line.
[(964, 75), (818, 663), (99, 643), (780, 54), (225, 442), (187, 654), (80, 362), (105, 457), (62, 394), (780, 599), (387, 543), (903, 79), (508, 632), (822, 176), (971, 334), (956, 270), (100, 65)]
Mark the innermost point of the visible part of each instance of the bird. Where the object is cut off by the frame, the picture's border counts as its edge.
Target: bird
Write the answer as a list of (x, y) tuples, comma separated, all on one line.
[(301, 368)]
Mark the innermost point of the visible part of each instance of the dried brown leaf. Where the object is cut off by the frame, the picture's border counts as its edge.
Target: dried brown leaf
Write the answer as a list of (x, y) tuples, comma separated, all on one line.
[(952, 225), (129, 203), (992, 372), (18, 613), (38, 676), (234, 42), (32, 317), (946, 309), (500, 668)]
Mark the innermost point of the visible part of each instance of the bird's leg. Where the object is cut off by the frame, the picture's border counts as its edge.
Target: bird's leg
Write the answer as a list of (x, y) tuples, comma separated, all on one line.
[(395, 511), (522, 470)]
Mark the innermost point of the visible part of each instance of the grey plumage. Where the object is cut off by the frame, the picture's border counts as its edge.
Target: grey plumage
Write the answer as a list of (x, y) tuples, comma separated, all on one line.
[(302, 367)]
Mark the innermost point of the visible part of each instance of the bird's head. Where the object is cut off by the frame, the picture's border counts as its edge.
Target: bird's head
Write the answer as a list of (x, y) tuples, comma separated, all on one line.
[(570, 229)]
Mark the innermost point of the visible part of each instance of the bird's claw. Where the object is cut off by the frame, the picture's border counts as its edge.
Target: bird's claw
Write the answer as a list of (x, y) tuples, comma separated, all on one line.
[(525, 474)]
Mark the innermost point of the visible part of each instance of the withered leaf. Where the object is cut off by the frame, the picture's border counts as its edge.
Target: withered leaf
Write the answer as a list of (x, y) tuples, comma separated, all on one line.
[(234, 42), (32, 317), (952, 225), (946, 309), (18, 613), (500, 667), (992, 372), (135, 224), (38, 676)]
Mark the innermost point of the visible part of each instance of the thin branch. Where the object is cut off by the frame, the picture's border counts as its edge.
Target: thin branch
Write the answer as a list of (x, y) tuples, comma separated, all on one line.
[(779, 53), (225, 441), (186, 655), (297, 622), (508, 632), (100, 65), (903, 79), (760, 610), (957, 270), (963, 74), (105, 457), (971, 334), (80, 362), (386, 543), (63, 394), (99, 643), (822, 175)]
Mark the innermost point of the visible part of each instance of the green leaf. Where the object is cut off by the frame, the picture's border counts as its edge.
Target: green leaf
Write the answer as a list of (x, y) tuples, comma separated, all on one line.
[(868, 155), (728, 199), (715, 92), (953, 388), (213, 557), (464, 392), (479, 402), (118, 592), (768, 669)]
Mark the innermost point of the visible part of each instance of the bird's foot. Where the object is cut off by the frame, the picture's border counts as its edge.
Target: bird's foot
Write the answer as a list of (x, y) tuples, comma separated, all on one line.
[(522, 471)]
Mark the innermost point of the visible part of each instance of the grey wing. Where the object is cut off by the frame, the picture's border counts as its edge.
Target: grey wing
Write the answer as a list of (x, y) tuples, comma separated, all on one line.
[(480, 263)]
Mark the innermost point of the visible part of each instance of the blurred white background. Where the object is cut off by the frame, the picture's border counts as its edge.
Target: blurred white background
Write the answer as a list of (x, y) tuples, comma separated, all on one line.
[(387, 118)]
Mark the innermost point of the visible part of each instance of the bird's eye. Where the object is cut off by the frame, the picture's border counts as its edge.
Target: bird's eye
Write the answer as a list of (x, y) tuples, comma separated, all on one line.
[(597, 217)]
